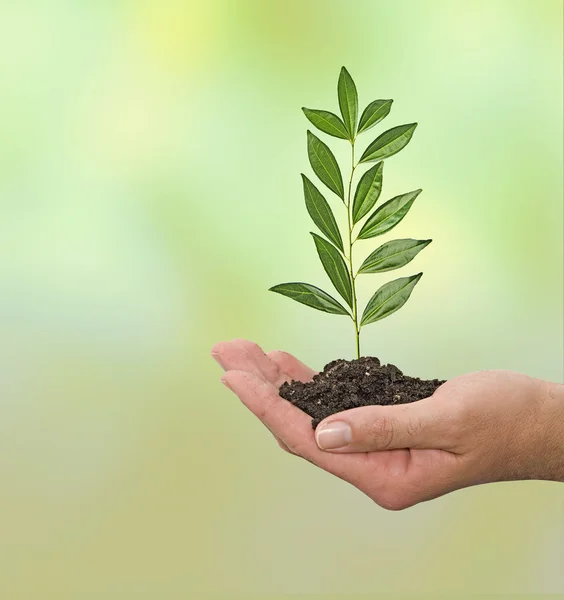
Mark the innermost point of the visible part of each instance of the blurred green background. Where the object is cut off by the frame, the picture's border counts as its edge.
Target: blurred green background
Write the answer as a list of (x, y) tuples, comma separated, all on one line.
[(150, 154)]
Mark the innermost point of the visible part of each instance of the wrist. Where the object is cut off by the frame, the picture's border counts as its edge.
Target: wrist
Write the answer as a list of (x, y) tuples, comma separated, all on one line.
[(551, 443)]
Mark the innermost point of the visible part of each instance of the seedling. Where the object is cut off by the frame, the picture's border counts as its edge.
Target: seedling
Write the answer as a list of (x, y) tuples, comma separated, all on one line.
[(336, 256)]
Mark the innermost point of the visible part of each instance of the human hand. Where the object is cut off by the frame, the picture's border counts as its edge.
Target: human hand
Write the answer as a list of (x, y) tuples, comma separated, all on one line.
[(478, 428)]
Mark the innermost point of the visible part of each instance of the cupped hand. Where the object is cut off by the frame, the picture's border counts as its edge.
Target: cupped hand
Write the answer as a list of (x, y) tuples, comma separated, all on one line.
[(478, 428)]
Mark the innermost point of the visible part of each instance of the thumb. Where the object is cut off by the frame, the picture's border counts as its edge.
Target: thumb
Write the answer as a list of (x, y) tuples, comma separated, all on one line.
[(422, 424)]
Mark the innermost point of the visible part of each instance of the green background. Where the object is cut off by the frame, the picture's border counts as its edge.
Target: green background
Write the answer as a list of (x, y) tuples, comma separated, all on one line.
[(150, 155)]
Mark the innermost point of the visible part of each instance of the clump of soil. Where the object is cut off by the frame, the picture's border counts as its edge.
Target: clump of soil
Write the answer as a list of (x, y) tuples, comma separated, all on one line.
[(345, 384)]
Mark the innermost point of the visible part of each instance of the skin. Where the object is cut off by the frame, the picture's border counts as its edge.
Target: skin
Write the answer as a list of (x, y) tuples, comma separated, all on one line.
[(477, 428)]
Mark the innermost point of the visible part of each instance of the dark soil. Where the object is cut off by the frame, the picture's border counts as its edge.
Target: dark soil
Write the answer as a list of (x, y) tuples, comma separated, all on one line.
[(345, 384)]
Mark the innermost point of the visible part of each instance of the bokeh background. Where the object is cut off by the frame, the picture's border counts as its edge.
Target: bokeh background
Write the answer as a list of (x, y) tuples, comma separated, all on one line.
[(150, 154)]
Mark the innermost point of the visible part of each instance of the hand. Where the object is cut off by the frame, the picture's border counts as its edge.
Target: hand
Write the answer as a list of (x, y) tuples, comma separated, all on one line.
[(477, 428)]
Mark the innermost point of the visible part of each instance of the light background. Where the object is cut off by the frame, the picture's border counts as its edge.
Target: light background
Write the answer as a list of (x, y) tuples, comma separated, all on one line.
[(149, 178)]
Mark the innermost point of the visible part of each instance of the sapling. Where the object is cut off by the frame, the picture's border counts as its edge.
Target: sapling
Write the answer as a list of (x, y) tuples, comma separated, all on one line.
[(362, 221)]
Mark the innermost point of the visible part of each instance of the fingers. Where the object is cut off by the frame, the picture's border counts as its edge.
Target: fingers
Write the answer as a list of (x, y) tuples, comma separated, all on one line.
[(246, 356), (285, 421), (262, 399), (243, 355), (276, 366), (291, 366), (422, 424)]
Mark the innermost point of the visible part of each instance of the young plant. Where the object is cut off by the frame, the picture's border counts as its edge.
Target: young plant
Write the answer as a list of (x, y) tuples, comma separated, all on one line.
[(336, 257)]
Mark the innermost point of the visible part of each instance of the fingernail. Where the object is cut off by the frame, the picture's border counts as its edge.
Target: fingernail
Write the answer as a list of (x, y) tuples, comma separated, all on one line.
[(215, 356), (226, 384), (333, 435)]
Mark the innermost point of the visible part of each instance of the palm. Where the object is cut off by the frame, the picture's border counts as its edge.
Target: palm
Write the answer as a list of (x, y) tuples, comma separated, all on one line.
[(255, 377)]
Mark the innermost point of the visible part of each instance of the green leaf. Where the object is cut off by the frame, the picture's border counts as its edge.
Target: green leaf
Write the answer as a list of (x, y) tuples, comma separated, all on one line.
[(348, 101), (393, 255), (335, 266), (325, 165), (389, 298), (367, 192), (374, 113), (389, 143), (388, 215), (310, 296), (327, 122), (320, 212)]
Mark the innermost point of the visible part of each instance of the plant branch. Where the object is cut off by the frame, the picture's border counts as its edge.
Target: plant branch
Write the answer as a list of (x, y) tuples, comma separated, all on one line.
[(351, 269)]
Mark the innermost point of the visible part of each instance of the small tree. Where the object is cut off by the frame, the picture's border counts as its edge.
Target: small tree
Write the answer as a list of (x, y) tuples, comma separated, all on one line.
[(336, 256)]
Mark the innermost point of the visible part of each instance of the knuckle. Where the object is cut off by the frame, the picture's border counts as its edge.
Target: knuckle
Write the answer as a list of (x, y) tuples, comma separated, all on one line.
[(250, 347), (279, 361), (297, 448), (413, 426), (257, 391), (283, 446), (379, 432)]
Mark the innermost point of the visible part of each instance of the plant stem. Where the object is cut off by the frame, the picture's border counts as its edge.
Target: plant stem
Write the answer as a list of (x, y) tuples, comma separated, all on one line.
[(353, 276)]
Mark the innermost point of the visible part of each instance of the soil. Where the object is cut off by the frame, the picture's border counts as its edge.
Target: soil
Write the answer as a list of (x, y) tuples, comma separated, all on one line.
[(345, 384)]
